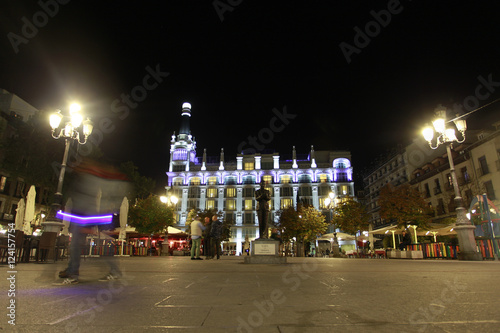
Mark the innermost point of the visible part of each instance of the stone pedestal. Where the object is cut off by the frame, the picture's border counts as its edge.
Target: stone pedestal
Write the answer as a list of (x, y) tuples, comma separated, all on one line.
[(165, 250), (264, 251)]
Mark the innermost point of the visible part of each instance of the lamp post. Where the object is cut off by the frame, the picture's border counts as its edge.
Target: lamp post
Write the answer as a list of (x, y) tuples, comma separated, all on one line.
[(329, 202), (72, 129), (446, 135), (170, 201)]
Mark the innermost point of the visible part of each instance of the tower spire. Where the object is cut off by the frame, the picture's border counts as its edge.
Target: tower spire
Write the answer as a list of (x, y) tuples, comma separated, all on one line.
[(186, 114)]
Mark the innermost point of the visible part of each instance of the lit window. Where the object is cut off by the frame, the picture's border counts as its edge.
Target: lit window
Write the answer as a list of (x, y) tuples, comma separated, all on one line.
[(268, 179), (211, 193), (285, 203), (230, 192), (249, 165), (210, 204), (231, 204), (323, 178), (343, 189), (212, 181), (285, 179), (248, 204), (178, 182), (195, 181)]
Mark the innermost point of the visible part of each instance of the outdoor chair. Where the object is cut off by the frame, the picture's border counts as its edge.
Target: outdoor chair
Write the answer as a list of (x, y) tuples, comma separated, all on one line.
[(46, 243), (20, 245), (61, 247)]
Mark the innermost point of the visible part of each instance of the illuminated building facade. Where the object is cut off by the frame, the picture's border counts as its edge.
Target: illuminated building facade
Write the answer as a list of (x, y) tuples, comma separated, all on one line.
[(229, 186)]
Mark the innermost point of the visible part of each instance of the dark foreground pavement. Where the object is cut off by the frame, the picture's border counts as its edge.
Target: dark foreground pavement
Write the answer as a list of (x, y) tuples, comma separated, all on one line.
[(175, 294)]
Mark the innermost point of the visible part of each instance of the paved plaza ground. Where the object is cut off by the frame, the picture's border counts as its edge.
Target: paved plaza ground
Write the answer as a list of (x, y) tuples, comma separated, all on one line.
[(176, 294)]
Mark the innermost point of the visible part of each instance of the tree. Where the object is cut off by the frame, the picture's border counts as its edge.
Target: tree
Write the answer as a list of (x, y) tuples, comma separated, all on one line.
[(143, 186), (405, 205), (304, 224), (287, 226), (150, 216), (351, 216)]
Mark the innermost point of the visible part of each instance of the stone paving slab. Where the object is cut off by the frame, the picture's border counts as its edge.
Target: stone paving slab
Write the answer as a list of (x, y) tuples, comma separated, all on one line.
[(175, 294)]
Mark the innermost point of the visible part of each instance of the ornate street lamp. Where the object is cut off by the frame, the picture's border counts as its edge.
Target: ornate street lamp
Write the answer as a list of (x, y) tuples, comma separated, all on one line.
[(329, 203), (70, 128), (446, 135)]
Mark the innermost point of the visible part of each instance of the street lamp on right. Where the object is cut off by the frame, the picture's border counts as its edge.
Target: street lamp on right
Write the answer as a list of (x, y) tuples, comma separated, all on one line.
[(443, 132)]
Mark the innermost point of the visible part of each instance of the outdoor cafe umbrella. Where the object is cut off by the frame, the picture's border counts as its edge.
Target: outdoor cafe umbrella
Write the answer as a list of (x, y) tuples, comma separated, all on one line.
[(123, 218), (174, 231), (340, 236), (123, 222), (20, 214), (393, 229), (29, 214)]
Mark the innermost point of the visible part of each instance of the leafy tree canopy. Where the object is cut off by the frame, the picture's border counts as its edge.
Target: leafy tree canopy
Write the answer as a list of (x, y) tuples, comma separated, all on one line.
[(150, 215), (143, 186), (351, 216), (405, 205), (305, 224)]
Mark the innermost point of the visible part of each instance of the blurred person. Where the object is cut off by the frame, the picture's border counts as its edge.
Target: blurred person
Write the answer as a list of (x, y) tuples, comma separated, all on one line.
[(96, 189)]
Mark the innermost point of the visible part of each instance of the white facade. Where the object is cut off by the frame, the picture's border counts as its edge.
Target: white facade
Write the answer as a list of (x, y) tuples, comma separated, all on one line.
[(229, 186)]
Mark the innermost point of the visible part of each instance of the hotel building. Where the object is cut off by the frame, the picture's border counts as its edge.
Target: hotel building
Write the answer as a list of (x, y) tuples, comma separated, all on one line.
[(201, 182)]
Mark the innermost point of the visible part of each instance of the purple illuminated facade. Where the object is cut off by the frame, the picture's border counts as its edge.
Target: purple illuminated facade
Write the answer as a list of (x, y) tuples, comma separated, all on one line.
[(229, 185)]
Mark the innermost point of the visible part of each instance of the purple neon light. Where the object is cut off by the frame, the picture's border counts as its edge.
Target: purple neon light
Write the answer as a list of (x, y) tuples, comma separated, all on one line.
[(86, 220)]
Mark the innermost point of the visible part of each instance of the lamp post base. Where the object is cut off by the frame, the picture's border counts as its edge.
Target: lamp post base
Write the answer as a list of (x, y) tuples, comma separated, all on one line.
[(470, 256), (467, 243), (52, 226), (335, 250)]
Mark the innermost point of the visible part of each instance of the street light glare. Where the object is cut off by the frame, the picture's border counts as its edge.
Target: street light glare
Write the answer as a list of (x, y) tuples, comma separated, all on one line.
[(87, 127), (76, 119), (74, 107), (450, 134), (428, 133), (439, 125), (55, 119)]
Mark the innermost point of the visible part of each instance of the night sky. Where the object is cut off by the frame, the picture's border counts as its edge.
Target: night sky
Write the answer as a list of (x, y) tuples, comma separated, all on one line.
[(356, 75)]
